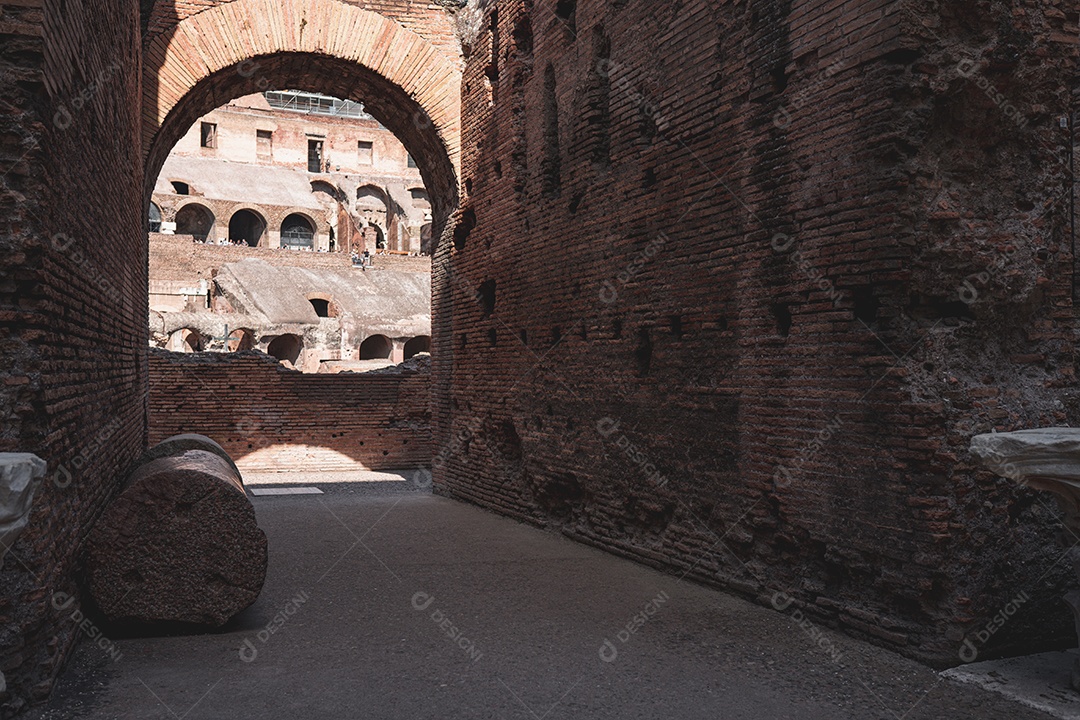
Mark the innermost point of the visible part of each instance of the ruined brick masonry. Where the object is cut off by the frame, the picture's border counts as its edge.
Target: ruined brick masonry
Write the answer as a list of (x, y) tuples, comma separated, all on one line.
[(749, 271), (271, 419), (720, 252)]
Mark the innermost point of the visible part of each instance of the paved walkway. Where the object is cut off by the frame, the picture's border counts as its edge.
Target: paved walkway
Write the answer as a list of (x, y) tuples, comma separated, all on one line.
[(387, 602)]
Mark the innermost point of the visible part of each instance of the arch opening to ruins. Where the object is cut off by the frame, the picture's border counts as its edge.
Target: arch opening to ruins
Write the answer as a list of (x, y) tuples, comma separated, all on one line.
[(247, 226), (196, 220), (297, 232), (416, 345), (240, 340), (376, 347), (286, 347), (153, 219)]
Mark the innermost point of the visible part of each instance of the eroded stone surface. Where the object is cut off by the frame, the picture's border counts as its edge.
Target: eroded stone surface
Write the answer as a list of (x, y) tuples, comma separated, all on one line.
[(1038, 453), (179, 544), (20, 475), (180, 443)]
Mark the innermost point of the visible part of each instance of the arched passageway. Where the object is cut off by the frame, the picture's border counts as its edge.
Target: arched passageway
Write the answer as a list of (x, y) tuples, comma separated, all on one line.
[(247, 226), (195, 220), (186, 340), (418, 344), (297, 232), (376, 347), (286, 347), (241, 340)]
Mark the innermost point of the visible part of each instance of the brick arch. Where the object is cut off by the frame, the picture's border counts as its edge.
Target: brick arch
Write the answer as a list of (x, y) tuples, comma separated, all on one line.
[(325, 46)]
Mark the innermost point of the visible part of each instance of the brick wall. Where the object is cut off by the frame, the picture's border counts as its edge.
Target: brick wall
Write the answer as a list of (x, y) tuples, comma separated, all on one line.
[(429, 20), (72, 328), (270, 419), (705, 308)]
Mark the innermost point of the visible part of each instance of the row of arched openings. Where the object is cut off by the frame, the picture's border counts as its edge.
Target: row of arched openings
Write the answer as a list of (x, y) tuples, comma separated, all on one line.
[(288, 346), (246, 226)]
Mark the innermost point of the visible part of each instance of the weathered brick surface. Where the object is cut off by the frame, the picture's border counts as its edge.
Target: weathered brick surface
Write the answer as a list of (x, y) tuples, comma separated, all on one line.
[(717, 225), (72, 328), (271, 419), (427, 19)]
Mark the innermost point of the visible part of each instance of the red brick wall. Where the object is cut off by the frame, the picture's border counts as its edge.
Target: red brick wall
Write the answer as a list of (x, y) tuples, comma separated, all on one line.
[(715, 225), (426, 19), (72, 309), (270, 419)]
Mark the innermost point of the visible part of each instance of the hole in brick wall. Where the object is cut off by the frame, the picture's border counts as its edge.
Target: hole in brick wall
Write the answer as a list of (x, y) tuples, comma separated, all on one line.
[(616, 329), (551, 164), (722, 323), (558, 494), (1025, 205), (523, 336), (936, 308), (575, 203), (485, 295), (464, 227), (676, 325), (903, 56), (782, 314), (647, 123), (468, 185), (463, 340), (866, 305), (649, 178), (643, 352), (493, 337), (779, 79), (566, 10), (583, 333), (556, 335), (598, 105), (498, 169), (1042, 254), (523, 35)]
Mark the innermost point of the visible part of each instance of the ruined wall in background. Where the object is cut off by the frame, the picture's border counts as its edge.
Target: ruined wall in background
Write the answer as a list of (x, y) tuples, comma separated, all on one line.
[(271, 419), (178, 257), (72, 310), (705, 308)]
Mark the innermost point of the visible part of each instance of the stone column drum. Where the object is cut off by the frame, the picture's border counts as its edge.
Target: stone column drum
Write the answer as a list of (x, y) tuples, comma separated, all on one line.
[(179, 544), (1045, 459)]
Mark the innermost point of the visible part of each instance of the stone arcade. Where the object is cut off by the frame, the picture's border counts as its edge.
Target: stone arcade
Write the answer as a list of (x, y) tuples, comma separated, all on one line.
[(798, 252)]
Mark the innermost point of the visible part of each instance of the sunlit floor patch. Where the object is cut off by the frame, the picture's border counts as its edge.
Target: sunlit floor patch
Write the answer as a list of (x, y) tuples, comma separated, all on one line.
[(285, 491)]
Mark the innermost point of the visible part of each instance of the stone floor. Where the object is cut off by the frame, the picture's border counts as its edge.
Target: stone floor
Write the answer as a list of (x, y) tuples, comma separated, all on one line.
[(383, 601)]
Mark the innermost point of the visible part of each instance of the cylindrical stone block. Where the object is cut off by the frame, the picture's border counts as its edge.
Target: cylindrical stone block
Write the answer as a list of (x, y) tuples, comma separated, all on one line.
[(179, 443), (179, 544)]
